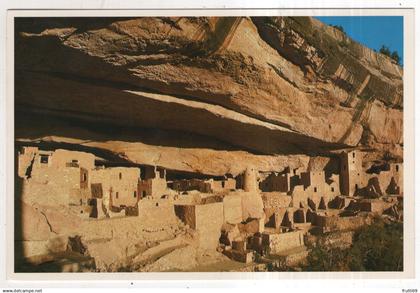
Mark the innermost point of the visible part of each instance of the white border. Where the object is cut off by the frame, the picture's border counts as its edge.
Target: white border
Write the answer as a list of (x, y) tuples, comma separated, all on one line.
[(408, 133)]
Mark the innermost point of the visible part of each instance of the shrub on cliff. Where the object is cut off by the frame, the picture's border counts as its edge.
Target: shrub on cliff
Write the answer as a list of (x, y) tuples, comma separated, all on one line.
[(387, 52), (322, 259), (339, 27), (396, 57), (378, 247)]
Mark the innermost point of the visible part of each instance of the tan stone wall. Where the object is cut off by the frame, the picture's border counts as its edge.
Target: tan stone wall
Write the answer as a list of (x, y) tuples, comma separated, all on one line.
[(25, 158), (118, 179), (159, 187), (57, 164), (38, 165), (282, 242), (230, 184), (314, 179), (396, 172), (209, 221), (298, 195), (252, 205), (157, 212), (374, 205), (335, 223), (385, 178), (155, 187), (206, 219), (60, 158), (144, 188), (332, 189), (276, 199), (232, 209), (314, 193), (51, 186), (221, 185), (215, 185)]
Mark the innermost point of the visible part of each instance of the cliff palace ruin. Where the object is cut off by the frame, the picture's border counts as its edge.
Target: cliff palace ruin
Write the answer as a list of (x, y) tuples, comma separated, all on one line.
[(198, 143)]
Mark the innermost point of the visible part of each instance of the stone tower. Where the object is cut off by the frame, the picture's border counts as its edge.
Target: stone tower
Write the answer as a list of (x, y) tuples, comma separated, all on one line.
[(250, 180), (350, 172)]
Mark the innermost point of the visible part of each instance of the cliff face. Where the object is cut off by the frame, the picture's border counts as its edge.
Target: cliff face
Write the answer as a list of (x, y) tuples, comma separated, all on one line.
[(211, 95)]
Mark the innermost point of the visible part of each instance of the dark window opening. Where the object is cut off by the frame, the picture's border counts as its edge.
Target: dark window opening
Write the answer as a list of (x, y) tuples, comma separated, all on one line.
[(223, 184), (332, 189), (135, 194), (354, 154), (120, 175), (162, 174), (157, 204), (44, 159), (315, 189), (357, 187), (144, 193), (73, 163), (397, 168), (116, 194)]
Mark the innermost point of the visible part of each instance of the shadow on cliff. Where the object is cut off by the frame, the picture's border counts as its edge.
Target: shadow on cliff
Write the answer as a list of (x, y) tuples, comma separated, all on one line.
[(97, 96), (18, 221), (33, 126)]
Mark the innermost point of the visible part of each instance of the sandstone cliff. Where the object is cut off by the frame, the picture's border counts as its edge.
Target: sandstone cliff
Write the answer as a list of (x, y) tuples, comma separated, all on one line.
[(209, 95)]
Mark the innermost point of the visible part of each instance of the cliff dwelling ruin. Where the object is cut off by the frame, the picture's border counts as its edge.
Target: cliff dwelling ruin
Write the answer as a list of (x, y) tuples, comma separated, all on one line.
[(162, 144), (253, 214)]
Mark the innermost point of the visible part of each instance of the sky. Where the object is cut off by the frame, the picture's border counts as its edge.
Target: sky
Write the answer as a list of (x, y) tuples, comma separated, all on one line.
[(372, 31)]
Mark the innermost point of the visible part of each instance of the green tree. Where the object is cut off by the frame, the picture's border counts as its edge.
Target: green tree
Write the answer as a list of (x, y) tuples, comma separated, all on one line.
[(396, 57), (377, 247), (385, 51), (323, 259), (339, 27)]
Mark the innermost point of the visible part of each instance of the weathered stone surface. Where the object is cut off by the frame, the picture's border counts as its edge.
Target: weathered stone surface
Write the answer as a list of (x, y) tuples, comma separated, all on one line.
[(206, 219), (252, 206), (61, 222), (229, 234), (279, 243), (32, 224), (335, 223), (275, 87), (232, 209), (40, 251), (253, 226)]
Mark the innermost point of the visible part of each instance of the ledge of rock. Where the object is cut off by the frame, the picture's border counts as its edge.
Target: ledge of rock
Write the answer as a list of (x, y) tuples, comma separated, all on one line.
[(256, 89)]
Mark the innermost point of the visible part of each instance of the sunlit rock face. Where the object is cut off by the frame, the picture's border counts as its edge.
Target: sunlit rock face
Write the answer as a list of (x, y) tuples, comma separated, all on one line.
[(213, 90)]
